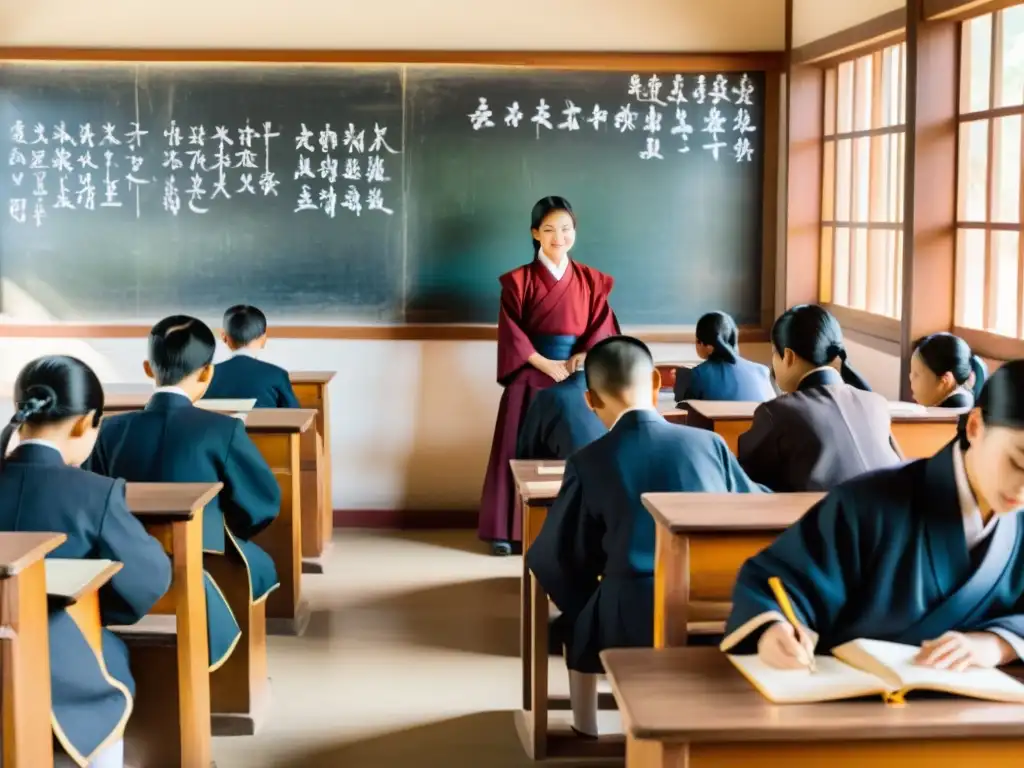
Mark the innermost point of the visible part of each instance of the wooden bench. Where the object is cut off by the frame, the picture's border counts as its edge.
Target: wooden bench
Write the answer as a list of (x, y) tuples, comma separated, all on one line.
[(919, 433), (691, 707), (26, 739), (277, 433), (312, 391), (170, 724), (701, 541)]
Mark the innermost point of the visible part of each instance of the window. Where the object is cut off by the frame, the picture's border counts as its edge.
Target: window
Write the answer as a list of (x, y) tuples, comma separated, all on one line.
[(862, 183), (990, 202)]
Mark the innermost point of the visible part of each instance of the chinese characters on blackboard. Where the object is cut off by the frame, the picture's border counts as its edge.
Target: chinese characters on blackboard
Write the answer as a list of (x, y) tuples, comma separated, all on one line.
[(693, 107), (54, 167)]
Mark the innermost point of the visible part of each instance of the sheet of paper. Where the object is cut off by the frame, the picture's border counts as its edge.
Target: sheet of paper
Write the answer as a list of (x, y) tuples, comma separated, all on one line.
[(548, 469), (65, 578), (833, 680)]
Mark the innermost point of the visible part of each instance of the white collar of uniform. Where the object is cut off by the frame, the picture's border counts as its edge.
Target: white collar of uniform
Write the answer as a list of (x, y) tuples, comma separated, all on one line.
[(813, 371), (634, 408), (246, 352), (172, 391), (558, 270), (44, 443), (974, 530)]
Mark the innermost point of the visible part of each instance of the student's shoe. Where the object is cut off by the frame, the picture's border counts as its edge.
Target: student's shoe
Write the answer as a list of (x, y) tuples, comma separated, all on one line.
[(586, 736), (501, 548)]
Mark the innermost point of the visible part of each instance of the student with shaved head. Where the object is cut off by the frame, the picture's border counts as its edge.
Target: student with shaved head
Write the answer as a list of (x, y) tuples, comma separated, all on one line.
[(595, 553)]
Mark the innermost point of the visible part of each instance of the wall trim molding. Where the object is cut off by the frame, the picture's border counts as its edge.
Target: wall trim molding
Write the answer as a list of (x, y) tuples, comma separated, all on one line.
[(866, 37)]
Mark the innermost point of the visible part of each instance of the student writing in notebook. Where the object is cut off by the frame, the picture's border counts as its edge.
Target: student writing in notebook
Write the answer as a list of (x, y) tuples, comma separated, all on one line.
[(245, 375), (595, 552), (929, 554), (829, 426), (59, 402), (723, 375), (173, 441), (558, 422)]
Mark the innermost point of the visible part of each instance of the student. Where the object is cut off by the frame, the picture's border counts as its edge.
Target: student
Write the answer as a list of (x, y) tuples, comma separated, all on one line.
[(59, 403), (595, 552), (944, 373), (552, 311), (723, 375), (173, 441), (245, 375), (558, 422), (826, 428), (930, 553)]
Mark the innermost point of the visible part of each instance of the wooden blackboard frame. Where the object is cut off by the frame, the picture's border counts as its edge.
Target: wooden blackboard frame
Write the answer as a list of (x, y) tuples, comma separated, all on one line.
[(770, 62)]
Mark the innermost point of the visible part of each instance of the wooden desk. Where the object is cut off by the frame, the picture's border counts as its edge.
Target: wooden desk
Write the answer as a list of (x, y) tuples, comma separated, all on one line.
[(690, 707), (170, 724), (311, 389), (701, 541), (277, 432), (26, 740), (920, 434), (668, 372), (73, 585)]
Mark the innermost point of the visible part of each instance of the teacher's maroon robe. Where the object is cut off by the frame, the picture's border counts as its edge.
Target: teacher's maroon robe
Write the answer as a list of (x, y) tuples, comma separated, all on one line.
[(535, 307)]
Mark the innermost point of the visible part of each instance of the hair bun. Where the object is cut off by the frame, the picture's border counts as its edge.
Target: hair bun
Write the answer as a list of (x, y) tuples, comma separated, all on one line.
[(38, 398)]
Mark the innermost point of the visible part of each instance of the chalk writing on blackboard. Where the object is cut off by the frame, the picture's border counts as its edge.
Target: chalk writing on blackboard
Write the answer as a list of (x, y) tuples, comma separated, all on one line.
[(715, 91), (201, 166)]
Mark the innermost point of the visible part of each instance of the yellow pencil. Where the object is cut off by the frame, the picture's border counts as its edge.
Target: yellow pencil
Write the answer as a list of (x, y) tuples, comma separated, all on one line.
[(787, 610)]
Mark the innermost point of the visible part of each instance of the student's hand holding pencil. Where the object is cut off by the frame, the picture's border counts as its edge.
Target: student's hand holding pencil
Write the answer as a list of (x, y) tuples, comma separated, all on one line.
[(783, 646)]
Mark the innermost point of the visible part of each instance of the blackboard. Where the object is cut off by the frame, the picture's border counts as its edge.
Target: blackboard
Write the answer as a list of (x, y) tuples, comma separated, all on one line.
[(390, 193)]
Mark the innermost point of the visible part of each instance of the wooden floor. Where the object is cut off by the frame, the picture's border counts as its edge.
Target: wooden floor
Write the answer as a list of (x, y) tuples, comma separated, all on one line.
[(411, 659)]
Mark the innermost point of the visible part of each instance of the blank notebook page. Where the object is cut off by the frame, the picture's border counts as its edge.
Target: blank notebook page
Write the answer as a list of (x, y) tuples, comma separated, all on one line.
[(65, 578), (832, 680)]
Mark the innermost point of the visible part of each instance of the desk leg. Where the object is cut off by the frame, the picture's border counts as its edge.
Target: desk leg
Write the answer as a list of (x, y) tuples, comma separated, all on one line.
[(287, 612), (25, 662), (671, 588), (654, 754)]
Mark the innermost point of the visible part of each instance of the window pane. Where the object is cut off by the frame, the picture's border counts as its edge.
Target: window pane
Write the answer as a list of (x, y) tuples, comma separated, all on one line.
[(976, 64), (879, 258), (844, 180), (970, 272), (898, 297), (825, 276), (1006, 170), (1005, 258), (830, 102), (845, 95), (1012, 90), (881, 173), (891, 86), (903, 83), (841, 268), (862, 183), (859, 277), (901, 158), (892, 183), (828, 182), (864, 84), (973, 184)]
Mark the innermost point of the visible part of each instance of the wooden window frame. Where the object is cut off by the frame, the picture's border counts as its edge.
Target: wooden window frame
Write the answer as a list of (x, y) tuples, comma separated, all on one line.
[(985, 342)]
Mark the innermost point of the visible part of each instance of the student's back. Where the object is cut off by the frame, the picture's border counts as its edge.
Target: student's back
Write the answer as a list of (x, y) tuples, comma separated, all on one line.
[(59, 400), (245, 376), (739, 381), (558, 422)]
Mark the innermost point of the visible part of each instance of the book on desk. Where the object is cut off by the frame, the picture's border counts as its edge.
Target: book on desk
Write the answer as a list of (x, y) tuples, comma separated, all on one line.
[(862, 668)]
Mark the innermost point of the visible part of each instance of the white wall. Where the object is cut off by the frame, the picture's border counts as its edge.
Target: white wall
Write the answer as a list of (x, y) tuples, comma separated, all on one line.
[(411, 422), (815, 19), (549, 25)]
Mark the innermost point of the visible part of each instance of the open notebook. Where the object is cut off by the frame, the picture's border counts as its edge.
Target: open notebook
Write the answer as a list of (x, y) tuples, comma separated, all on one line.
[(225, 405), (66, 578), (869, 668)]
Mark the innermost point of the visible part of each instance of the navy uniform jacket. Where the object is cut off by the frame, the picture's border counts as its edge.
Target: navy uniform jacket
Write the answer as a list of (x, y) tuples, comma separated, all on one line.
[(743, 381), (885, 557), (597, 527), (817, 437), (38, 492), (558, 422), (172, 441), (244, 377)]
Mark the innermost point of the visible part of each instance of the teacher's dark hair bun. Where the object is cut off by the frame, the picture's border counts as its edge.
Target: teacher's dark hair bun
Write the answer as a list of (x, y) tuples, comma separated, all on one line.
[(51, 389), (544, 208)]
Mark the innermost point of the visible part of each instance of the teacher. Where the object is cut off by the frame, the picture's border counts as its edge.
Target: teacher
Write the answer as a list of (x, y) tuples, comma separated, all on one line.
[(552, 311)]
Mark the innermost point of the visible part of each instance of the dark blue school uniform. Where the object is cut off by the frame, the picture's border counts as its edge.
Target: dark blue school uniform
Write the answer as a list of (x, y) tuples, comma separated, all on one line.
[(743, 381), (172, 441), (598, 527), (558, 422), (91, 697), (885, 557), (244, 377)]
